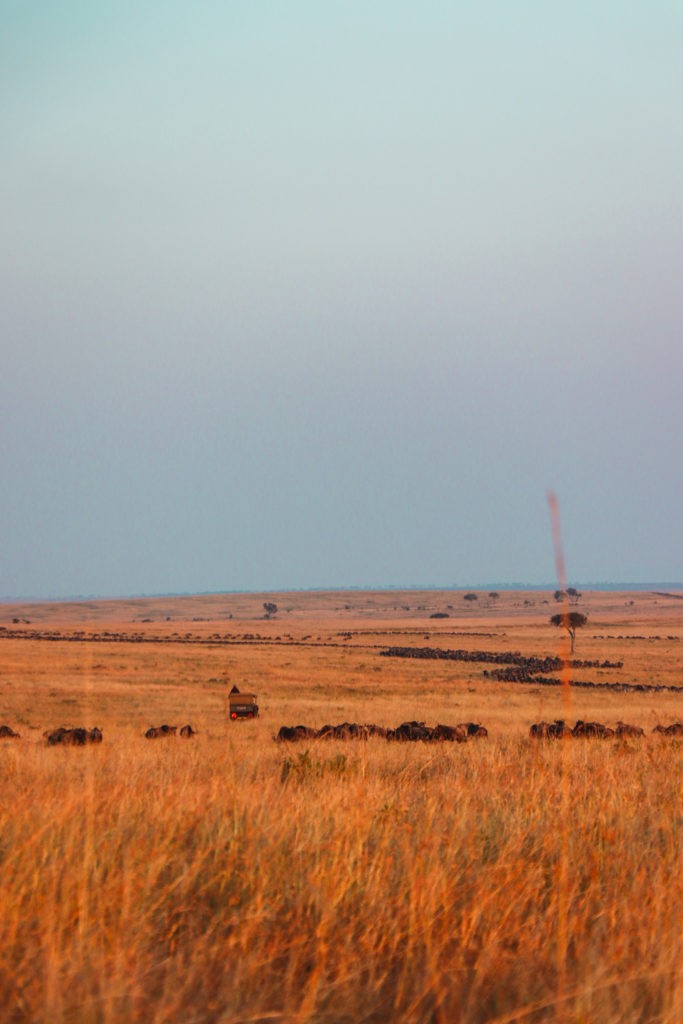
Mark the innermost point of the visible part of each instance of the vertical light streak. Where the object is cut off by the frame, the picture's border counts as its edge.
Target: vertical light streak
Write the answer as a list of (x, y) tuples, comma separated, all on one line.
[(562, 883)]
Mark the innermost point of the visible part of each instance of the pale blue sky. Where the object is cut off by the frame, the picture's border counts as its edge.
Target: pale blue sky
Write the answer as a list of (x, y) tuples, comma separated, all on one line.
[(327, 294)]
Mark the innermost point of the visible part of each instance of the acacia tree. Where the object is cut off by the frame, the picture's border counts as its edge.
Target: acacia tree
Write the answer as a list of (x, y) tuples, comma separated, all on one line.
[(574, 595), (470, 597), (571, 621), (270, 608)]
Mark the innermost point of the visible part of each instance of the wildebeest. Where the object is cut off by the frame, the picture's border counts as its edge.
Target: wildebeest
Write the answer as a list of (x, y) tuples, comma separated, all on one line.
[(675, 729), (350, 730), (410, 732), (77, 737), (7, 733), (343, 731), (155, 732), (592, 730), (347, 731), (291, 733), (188, 732), (450, 733), (559, 730), (475, 731), (623, 729), (556, 730)]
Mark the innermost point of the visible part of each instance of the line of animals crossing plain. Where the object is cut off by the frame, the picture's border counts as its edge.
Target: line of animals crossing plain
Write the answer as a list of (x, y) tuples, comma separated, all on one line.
[(226, 640), (462, 732), (80, 736), (412, 731), (523, 669)]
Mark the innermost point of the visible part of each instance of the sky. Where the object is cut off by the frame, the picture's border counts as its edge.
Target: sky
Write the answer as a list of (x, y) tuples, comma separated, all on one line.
[(328, 294)]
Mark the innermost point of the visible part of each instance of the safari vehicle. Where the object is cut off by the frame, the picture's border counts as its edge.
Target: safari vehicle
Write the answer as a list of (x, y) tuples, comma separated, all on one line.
[(242, 705)]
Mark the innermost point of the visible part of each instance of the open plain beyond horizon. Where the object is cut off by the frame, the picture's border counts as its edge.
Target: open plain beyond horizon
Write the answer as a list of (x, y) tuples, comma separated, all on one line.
[(232, 878)]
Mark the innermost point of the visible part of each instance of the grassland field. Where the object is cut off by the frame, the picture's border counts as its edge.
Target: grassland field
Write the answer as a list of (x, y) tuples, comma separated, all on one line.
[(229, 878)]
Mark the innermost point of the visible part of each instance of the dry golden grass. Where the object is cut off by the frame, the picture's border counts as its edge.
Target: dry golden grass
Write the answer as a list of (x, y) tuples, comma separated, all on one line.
[(229, 878)]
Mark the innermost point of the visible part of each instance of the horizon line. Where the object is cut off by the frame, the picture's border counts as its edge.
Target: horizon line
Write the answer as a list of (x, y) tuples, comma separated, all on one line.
[(515, 585)]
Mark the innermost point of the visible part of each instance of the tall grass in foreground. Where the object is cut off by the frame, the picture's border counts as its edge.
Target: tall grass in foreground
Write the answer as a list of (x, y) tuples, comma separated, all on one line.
[(205, 881)]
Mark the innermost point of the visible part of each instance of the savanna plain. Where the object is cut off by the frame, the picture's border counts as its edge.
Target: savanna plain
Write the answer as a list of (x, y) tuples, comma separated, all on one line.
[(232, 878)]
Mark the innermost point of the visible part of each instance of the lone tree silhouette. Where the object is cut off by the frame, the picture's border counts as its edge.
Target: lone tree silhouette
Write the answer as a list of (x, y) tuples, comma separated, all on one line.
[(574, 595), (470, 597), (270, 608), (571, 621)]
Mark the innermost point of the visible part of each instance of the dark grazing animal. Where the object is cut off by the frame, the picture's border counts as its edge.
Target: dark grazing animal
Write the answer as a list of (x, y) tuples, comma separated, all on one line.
[(344, 731), (557, 730), (155, 732), (350, 730), (675, 729), (188, 732), (77, 737), (450, 733), (548, 730), (7, 733), (592, 730), (410, 732), (475, 731), (623, 729), (292, 733)]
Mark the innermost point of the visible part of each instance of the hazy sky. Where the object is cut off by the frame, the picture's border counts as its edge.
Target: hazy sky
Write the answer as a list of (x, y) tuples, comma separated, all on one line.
[(329, 293)]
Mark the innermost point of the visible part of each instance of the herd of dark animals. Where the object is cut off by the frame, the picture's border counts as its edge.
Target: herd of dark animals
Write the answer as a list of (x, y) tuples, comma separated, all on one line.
[(522, 669), (73, 737), (418, 731), (156, 732), (79, 737), (407, 732), (559, 730)]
